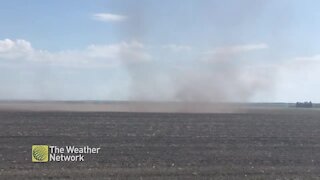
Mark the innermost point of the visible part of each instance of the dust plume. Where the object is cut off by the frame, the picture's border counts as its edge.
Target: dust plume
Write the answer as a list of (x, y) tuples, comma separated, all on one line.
[(211, 77)]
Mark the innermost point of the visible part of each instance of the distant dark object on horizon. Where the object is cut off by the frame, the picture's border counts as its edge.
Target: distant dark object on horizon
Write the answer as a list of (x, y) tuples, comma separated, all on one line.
[(304, 104)]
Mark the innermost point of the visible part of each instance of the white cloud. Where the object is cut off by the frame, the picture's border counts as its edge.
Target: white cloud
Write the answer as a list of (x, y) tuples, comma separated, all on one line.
[(177, 48), (93, 55), (10, 49), (308, 58), (107, 17), (127, 52), (238, 49)]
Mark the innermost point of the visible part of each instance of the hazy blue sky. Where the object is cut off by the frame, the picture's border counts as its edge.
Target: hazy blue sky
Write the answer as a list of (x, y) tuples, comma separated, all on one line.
[(208, 50)]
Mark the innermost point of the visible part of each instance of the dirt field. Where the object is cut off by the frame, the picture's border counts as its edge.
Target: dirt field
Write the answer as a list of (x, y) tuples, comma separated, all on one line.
[(271, 144)]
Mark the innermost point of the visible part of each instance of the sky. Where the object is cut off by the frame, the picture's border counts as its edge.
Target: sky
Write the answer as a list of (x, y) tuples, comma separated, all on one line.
[(171, 50)]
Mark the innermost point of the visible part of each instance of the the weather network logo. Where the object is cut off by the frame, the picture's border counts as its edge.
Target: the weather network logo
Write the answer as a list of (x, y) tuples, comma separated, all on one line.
[(40, 153), (45, 153)]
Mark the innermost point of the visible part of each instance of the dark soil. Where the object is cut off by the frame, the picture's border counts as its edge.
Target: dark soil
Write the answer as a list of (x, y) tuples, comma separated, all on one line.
[(164, 146)]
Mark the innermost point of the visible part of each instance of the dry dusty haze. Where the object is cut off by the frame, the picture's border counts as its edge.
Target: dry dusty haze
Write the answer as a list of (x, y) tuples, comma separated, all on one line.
[(125, 106), (122, 107)]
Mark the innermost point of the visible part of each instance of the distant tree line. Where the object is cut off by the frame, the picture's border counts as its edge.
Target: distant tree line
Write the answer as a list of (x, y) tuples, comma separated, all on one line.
[(304, 104)]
